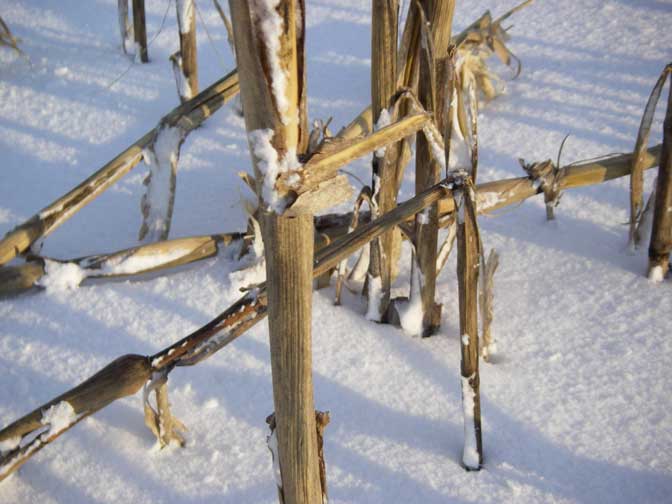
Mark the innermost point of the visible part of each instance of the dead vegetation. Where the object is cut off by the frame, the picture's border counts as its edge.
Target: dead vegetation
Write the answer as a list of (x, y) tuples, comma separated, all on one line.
[(426, 87)]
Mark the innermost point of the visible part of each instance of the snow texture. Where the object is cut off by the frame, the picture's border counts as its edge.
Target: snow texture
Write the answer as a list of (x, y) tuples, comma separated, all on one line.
[(438, 152), (486, 200), (272, 441), (576, 407), (58, 417), (182, 83), (383, 120), (61, 276), (185, 14), (271, 27), (157, 202), (135, 263), (271, 167), (375, 294), (470, 451), (656, 274), (410, 312), (10, 444)]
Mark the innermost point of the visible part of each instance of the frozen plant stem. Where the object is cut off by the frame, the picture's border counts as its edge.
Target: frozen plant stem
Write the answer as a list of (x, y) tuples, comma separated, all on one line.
[(189, 116), (125, 27), (289, 285), (383, 79), (661, 233), (431, 91), (467, 277), (269, 42), (140, 30), (158, 201), (186, 64)]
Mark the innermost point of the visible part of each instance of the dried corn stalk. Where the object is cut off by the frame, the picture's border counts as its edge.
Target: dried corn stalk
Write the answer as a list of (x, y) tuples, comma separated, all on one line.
[(159, 198), (7, 39), (160, 420), (638, 161), (125, 27), (485, 302), (358, 272), (127, 374)]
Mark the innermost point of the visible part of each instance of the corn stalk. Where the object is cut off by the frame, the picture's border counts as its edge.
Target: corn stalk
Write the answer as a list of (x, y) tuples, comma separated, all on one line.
[(187, 116)]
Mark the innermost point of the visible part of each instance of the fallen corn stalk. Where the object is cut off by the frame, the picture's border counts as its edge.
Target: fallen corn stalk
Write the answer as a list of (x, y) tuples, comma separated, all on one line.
[(490, 196), (126, 375), (125, 263), (187, 116)]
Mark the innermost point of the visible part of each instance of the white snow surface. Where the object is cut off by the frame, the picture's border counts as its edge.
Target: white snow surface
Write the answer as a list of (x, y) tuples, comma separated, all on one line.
[(576, 406), (58, 417), (61, 276)]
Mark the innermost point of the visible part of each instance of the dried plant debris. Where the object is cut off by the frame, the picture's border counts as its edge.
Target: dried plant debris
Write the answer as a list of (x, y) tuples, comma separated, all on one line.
[(7, 39)]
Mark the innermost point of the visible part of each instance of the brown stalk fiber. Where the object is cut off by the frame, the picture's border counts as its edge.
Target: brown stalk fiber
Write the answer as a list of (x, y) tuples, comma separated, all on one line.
[(384, 16), (639, 160), (188, 53), (661, 233), (468, 253), (436, 34), (485, 300), (140, 30), (273, 94)]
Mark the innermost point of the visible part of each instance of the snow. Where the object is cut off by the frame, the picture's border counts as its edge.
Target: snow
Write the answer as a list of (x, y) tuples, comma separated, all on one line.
[(185, 14), (271, 25), (161, 158), (61, 276), (10, 444), (470, 451), (182, 83), (486, 200), (410, 311), (384, 119), (136, 263), (656, 274), (58, 417), (375, 293), (272, 441), (576, 407), (271, 167)]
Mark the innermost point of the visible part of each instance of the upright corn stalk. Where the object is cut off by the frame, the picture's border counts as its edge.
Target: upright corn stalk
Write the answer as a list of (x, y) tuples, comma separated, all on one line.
[(125, 27), (468, 249), (639, 159), (140, 30), (383, 83), (661, 235), (435, 40), (185, 64), (269, 41)]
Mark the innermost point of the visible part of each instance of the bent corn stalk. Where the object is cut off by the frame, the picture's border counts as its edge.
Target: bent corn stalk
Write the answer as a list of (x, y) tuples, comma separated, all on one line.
[(131, 371), (122, 264), (491, 196), (188, 116)]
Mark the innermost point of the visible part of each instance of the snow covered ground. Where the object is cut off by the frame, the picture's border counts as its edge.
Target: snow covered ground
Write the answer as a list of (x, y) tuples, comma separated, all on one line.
[(576, 408)]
